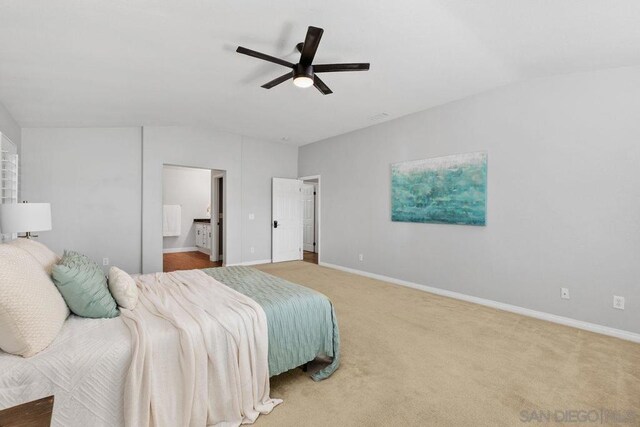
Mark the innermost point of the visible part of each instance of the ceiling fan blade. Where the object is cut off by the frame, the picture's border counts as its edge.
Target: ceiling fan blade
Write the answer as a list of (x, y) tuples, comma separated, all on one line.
[(263, 56), (275, 82), (310, 46), (319, 84), (332, 68)]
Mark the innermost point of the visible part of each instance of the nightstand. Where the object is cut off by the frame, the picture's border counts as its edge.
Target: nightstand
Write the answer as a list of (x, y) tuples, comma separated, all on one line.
[(31, 414)]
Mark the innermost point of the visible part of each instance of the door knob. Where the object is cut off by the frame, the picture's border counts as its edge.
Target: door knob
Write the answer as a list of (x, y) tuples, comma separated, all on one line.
[(275, 224)]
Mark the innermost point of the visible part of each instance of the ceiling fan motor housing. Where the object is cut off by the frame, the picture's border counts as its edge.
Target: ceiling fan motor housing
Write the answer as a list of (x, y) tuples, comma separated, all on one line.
[(303, 71)]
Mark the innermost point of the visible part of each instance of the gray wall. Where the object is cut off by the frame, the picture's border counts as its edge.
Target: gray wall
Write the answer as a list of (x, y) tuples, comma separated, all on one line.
[(563, 197), (101, 182), (210, 149), (191, 189), (91, 177), (260, 162), (194, 147)]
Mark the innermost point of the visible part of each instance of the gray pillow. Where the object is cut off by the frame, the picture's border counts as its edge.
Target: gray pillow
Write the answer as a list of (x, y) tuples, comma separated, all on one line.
[(83, 286)]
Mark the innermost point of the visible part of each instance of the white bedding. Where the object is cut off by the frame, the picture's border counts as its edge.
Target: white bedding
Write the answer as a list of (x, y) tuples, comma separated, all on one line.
[(190, 339), (200, 354), (85, 368)]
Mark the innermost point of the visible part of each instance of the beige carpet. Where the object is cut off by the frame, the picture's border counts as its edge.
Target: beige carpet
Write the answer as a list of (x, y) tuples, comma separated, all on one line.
[(410, 358)]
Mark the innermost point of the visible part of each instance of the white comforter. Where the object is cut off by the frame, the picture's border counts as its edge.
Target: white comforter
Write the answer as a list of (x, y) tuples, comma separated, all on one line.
[(199, 354), (85, 369)]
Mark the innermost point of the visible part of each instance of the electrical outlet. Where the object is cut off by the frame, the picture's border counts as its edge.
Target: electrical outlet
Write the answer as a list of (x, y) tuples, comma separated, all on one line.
[(361, 257), (564, 293), (618, 302), (252, 249), (105, 261)]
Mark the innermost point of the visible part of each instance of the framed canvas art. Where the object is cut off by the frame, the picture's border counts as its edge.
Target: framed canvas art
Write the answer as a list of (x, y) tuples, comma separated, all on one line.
[(444, 190)]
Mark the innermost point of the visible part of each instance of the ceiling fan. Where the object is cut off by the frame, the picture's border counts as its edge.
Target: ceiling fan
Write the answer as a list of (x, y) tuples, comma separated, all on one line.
[(304, 73)]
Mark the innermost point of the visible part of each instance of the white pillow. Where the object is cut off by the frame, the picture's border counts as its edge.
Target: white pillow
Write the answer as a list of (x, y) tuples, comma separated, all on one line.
[(45, 256), (32, 310), (123, 288)]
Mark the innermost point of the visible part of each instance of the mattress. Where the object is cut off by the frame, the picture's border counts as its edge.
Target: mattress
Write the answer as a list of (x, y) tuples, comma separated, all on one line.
[(85, 369)]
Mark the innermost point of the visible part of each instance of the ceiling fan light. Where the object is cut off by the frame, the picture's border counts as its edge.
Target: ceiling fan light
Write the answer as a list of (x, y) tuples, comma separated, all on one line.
[(303, 81)]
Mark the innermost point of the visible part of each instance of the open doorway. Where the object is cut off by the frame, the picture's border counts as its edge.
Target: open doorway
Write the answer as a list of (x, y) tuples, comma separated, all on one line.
[(295, 215), (311, 218), (192, 217)]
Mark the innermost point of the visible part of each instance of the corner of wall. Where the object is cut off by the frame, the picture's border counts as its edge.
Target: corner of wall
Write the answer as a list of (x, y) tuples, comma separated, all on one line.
[(10, 127)]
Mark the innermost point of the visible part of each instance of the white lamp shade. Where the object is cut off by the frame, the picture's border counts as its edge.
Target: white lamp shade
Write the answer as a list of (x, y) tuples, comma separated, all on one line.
[(25, 217)]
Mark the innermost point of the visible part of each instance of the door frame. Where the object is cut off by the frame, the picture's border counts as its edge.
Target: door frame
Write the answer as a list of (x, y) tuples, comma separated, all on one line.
[(314, 223), (215, 208), (318, 212), (215, 173)]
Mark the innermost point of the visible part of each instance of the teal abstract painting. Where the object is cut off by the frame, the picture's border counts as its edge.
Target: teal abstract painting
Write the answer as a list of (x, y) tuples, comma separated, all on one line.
[(445, 190)]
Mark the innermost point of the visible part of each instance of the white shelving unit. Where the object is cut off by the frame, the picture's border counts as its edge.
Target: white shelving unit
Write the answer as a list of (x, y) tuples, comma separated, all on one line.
[(9, 175)]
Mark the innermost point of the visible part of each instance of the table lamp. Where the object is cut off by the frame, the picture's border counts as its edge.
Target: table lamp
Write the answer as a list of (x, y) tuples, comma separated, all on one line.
[(25, 218)]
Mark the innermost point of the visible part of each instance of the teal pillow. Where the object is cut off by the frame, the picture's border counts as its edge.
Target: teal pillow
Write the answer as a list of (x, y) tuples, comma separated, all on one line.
[(83, 286)]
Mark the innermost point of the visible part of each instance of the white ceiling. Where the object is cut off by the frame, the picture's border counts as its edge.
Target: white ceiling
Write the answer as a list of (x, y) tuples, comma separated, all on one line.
[(173, 62)]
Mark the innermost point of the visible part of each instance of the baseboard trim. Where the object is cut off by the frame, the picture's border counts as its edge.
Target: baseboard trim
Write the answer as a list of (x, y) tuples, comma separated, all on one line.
[(566, 321), (246, 263), (177, 250)]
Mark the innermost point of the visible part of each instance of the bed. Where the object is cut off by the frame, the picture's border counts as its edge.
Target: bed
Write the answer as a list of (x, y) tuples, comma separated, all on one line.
[(86, 367), (302, 322)]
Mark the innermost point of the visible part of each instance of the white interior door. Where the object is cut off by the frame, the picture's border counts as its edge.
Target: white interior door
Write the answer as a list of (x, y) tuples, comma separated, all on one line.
[(308, 217), (286, 220)]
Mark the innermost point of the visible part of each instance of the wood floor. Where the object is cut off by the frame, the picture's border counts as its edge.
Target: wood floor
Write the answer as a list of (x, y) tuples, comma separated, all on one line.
[(311, 257), (187, 261)]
